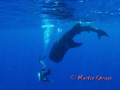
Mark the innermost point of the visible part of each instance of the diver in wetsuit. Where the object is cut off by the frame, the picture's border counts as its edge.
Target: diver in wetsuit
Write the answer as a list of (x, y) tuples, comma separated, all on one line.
[(42, 75)]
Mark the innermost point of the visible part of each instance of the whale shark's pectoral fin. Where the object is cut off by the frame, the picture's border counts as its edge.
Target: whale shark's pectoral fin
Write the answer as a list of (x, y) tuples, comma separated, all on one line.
[(73, 44)]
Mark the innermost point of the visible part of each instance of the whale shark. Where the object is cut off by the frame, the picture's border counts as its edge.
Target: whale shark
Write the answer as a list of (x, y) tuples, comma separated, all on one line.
[(65, 42)]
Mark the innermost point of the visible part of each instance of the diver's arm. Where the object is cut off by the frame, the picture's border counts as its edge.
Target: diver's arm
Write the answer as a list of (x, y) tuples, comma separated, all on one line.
[(42, 61), (43, 65)]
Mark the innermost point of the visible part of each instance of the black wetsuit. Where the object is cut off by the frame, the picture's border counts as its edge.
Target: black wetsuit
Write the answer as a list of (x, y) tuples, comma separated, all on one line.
[(43, 75)]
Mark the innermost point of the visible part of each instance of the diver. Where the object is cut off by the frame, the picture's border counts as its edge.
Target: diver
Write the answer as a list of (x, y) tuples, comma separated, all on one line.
[(42, 75)]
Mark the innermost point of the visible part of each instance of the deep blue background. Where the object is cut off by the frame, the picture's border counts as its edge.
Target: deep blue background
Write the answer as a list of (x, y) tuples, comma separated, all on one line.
[(20, 50), (21, 43)]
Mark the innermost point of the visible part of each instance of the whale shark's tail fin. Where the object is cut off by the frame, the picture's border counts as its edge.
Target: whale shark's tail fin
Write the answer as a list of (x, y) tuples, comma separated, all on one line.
[(101, 33), (92, 29)]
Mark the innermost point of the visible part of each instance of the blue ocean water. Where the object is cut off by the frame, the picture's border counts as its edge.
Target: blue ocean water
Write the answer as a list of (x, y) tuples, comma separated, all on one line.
[(29, 28)]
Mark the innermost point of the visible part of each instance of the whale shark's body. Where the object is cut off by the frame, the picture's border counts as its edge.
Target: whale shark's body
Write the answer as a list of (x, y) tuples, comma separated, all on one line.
[(63, 44)]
